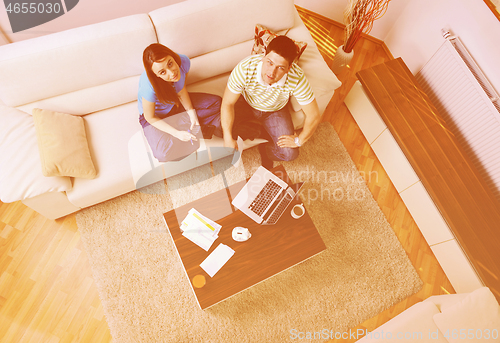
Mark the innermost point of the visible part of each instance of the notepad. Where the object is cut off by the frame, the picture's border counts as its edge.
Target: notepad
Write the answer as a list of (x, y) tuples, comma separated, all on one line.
[(218, 258)]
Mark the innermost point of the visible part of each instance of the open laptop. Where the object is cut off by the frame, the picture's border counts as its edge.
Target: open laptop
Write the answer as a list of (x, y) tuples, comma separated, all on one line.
[(265, 197)]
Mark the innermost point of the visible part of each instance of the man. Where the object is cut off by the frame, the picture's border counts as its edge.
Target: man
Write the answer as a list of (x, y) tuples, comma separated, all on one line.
[(266, 83)]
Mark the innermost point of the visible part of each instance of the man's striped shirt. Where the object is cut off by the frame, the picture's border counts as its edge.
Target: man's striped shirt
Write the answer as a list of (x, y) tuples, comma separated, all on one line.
[(246, 79)]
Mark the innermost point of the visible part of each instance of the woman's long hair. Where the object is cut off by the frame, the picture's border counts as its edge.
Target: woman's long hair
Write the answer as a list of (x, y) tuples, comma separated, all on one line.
[(165, 91)]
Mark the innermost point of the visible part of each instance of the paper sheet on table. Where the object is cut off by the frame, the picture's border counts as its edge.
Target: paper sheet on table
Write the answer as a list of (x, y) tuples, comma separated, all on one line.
[(197, 221), (214, 262), (202, 241), (199, 229)]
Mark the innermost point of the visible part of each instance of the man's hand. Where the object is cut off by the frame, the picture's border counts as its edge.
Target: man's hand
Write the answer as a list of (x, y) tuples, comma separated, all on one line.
[(287, 141), (227, 117), (311, 121), (229, 142)]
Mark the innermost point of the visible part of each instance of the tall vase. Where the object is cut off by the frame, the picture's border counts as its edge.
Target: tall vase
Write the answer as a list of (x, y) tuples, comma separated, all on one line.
[(341, 59)]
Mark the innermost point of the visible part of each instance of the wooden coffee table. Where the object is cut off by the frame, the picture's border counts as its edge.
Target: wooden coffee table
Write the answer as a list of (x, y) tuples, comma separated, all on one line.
[(270, 250)]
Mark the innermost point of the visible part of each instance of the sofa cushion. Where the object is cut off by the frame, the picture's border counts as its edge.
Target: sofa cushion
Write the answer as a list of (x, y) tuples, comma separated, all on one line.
[(478, 315), (217, 62), (89, 100), (217, 24), (108, 134), (63, 146), (20, 167), (74, 60)]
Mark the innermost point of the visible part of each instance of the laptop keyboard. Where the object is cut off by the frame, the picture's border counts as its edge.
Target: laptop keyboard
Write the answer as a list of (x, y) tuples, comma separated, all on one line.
[(264, 198), (279, 210)]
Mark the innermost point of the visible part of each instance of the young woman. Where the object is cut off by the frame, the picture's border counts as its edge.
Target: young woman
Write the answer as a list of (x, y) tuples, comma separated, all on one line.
[(170, 116)]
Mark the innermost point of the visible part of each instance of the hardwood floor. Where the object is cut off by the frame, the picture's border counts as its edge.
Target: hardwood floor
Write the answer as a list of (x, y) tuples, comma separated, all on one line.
[(47, 293)]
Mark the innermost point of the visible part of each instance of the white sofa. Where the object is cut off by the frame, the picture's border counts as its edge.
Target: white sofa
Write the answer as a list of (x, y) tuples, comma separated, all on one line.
[(93, 71), (465, 317)]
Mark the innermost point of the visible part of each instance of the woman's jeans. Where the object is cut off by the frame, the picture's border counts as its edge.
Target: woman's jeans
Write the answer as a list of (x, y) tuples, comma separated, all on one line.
[(164, 146), (275, 124)]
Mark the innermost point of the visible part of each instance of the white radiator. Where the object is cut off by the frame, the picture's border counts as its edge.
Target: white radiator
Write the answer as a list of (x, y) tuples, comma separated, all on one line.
[(469, 104)]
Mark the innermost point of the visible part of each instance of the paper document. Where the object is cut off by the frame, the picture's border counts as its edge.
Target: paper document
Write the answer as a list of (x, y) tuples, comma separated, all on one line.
[(200, 229), (217, 259), (203, 242)]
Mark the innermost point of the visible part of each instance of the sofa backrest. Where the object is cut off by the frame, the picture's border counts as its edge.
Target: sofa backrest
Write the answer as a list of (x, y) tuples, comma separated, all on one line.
[(91, 68), (218, 32), (77, 71)]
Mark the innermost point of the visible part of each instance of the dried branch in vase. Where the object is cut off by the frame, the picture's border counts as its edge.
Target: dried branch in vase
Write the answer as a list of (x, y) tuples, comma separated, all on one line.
[(359, 17)]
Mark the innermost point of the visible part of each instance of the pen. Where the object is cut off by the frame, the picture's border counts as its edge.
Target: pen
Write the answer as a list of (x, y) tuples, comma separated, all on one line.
[(191, 139)]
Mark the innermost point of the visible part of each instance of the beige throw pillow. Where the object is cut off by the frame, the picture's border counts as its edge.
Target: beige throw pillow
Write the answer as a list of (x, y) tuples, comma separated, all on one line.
[(63, 145)]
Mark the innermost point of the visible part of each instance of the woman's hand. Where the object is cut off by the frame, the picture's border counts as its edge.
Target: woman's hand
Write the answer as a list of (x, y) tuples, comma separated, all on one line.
[(193, 117), (185, 136)]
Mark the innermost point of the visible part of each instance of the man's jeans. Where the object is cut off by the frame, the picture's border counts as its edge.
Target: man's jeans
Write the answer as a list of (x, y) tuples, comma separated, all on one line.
[(275, 124)]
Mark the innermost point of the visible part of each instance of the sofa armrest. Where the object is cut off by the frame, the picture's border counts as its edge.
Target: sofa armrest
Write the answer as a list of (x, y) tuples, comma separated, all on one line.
[(446, 300), (51, 205), (412, 325), (20, 166)]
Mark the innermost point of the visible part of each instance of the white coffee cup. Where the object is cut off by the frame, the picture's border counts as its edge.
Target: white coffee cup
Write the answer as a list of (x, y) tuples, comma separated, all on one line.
[(241, 234), (298, 211)]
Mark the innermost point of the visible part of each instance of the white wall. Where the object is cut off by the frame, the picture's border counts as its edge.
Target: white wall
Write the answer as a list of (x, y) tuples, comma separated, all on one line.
[(334, 9), (416, 34)]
